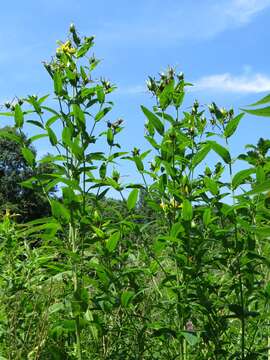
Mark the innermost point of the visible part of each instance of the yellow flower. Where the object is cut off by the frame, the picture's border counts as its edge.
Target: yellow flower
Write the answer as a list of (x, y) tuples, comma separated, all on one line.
[(175, 204), (163, 206), (66, 48), (7, 214)]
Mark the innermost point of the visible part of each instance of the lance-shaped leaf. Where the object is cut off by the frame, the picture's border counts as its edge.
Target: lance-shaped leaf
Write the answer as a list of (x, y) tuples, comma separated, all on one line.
[(241, 176), (259, 112), (132, 199), (102, 113), (79, 115), (126, 298), (110, 137), (200, 155), (264, 100), (29, 156), (154, 120), (221, 151), (52, 136), (58, 84), (18, 116), (187, 212), (112, 242), (59, 211), (258, 189), (190, 337), (232, 125), (11, 136), (211, 185)]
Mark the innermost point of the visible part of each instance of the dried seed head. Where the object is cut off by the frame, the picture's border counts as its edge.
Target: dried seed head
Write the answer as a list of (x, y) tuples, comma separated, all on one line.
[(189, 326)]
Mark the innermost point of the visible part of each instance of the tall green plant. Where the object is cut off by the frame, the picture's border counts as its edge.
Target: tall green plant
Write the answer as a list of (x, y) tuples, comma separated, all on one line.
[(206, 236), (79, 166)]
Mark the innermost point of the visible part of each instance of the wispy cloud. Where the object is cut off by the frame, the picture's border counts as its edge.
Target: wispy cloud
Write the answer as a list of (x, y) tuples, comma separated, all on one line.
[(131, 90), (247, 83), (180, 21), (244, 10)]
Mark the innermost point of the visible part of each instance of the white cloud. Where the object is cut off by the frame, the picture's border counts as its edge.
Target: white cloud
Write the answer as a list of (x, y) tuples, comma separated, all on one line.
[(131, 90), (246, 83), (244, 10), (178, 21)]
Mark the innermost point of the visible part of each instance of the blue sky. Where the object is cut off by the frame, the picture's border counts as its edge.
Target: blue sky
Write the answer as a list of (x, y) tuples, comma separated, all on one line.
[(221, 46)]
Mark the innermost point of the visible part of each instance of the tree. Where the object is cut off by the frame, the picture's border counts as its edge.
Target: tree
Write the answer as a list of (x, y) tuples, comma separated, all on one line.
[(27, 203)]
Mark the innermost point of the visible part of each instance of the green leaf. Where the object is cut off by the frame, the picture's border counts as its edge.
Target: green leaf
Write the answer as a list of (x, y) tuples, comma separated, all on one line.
[(52, 136), (200, 155), (100, 94), (126, 298), (264, 100), (178, 97), (190, 337), (110, 137), (36, 123), (260, 174), (59, 211), (207, 216), (176, 229), (37, 137), (139, 163), (103, 170), (84, 49), (221, 151), (18, 116), (211, 185), (112, 242), (132, 199), (166, 95), (52, 158), (152, 142), (241, 176), (52, 120), (6, 114), (102, 113), (258, 189), (29, 156), (154, 120), (116, 155), (259, 112), (187, 212), (79, 115), (232, 125), (66, 136), (58, 84), (11, 136), (56, 307)]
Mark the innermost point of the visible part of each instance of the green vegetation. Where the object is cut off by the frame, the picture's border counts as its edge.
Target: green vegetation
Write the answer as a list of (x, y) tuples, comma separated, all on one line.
[(14, 169), (179, 269)]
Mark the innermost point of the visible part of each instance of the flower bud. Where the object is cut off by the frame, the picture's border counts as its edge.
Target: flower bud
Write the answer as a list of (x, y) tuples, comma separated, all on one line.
[(72, 28)]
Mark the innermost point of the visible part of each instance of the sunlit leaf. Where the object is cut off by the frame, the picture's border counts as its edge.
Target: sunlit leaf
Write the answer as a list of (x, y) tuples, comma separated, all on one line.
[(132, 199)]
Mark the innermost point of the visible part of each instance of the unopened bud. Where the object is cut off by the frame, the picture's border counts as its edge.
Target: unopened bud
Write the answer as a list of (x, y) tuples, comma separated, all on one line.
[(72, 28)]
